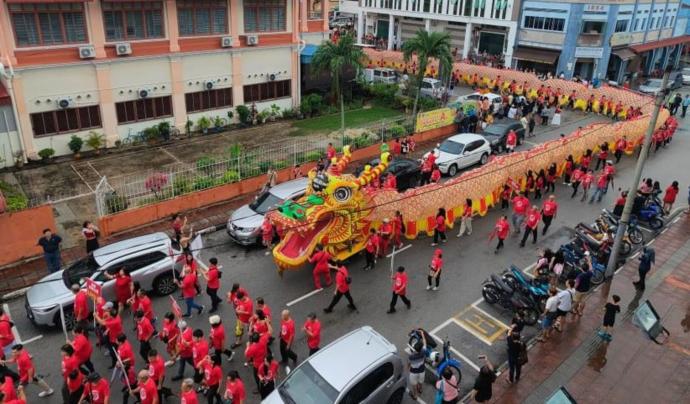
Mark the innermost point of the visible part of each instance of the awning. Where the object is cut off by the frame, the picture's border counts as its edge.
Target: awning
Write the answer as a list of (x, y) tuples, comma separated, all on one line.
[(624, 53), (4, 96), (308, 53), (536, 55), (644, 47)]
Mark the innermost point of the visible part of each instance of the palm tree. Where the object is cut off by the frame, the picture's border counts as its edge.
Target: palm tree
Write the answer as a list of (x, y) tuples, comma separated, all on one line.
[(427, 45), (335, 58)]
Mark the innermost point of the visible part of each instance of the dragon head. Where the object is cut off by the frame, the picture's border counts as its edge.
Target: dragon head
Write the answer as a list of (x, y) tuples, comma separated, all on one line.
[(332, 213)]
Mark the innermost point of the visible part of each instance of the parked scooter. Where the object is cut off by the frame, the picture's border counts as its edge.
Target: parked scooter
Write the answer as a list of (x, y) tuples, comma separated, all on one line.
[(537, 288), (633, 232), (600, 241), (496, 291)]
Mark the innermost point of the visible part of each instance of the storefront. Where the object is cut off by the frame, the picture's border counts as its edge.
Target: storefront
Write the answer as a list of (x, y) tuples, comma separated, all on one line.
[(541, 61)]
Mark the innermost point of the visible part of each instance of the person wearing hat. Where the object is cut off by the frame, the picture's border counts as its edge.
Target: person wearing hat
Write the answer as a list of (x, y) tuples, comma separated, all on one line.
[(217, 337), (96, 390), (385, 232)]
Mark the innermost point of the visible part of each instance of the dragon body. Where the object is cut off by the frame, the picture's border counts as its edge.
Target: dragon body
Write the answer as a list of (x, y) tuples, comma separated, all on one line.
[(339, 209)]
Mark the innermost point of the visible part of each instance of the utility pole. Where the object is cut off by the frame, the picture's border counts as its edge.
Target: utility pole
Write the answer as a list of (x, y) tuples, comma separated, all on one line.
[(632, 191)]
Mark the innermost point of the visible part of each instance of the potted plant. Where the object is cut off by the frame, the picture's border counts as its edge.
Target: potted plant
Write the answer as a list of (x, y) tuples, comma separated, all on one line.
[(46, 154), (218, 124), (188, 127), (151, 134), (75, 144), (95, 141), (164, 130), (230, 116), (244, 114), (275, 112), (203, 124), (264, 115)]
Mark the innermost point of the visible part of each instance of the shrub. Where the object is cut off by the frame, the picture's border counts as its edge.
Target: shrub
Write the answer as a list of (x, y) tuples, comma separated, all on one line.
[(280, 164), (164, 130), (397, 131), (46, 153), (204, 162), (14, 199), (235, 150), (203, 124), (218, 122), (151, 134), (181, 185), (313, 155), (264, 166), (156, 182), (427, 103), (264, 115), (244, 114), (75, 144), (311, 104), (402, 102), (95, 140), (230, 176), (384, 93), (203, 183), (115, 203)]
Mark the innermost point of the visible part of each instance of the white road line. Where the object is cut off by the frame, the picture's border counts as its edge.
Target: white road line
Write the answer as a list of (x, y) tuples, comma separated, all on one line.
[(635, 255), (15, 331), (473, 332), (528, 270), (308, 295), (649, 242), (399, 251), (170, 154), (94, 169), (80, 176), (490, 316), (441, 326), (663, 231), (456, 352)]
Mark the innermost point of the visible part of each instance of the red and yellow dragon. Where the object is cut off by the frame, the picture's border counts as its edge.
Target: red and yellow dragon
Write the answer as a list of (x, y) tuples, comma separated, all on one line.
[(338, 210)]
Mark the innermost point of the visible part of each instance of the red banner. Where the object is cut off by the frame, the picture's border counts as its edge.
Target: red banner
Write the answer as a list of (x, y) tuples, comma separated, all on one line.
[(177, 310), (93, 289)]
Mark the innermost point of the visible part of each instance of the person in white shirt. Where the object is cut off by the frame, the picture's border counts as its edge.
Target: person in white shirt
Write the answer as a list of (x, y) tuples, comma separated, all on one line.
[(565, 304), (550, 313)]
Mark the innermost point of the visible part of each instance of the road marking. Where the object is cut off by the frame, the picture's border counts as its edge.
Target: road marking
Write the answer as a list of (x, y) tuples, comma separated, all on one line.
[(483, 327), (399, 251), (649, 242), (456, 352), (81, 177), (15, 331), (308, 295), (529, 269), (441, 326), (164, 150), (94, 169), (529, 143), (490, 316), (663, 231)]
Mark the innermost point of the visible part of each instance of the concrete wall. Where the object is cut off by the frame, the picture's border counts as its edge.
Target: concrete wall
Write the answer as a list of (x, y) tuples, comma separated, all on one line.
[(20, 232)]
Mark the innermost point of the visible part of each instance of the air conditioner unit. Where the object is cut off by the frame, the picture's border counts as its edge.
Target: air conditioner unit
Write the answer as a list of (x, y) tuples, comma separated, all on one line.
[(208, 85), (252, 40), (143, 92), (64, 103), (87, 52), (123, 48), (226, 42)]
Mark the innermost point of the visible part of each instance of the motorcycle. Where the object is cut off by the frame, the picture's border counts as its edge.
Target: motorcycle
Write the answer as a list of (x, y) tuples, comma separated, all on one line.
[(649, 211), (438, 360), (495, 290), (538, 288), (599, 241), (633, 231)]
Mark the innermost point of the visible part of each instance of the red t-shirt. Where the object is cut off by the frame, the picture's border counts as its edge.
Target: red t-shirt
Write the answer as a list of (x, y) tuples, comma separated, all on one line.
[(602, 181), (372, 243), (314, 327), (188, 286), (235, 390), (321, 259), (144, 329), (113, 326), (670, 196), (148, 391), (213, 281), (217, 337), (213, 375), (126, 353), (6, 336), (97, 392), (199, 351), (533, 218), (268, 372), (511, 139), (146, 306), (587, 180), (502, 229), (436, 263), (185, 344), (436, 175), (69, 363), (171, 331), (255, 354), (8, 388), (74, 384), (400, 283), (267, 230), (81, 306), (287, 330), (341, 281), (24, 365), (122, 287), (549, 208), (621, 144), (610, 170), (520, 205), (156, 368), (577, 175), (330, 153), (440, 223), (189, 397), (386, 230), (467, 212), (246, 306), (585, 160)]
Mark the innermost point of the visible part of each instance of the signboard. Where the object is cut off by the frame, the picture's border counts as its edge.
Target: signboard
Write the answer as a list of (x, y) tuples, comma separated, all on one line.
[(93, 289), (435, 119), (620, 38), (649, 320), (596, 8), (586, 52), (561, 396)]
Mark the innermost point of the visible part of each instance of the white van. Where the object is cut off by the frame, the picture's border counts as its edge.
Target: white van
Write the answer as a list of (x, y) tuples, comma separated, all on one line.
[(432, 88), (381, 75)]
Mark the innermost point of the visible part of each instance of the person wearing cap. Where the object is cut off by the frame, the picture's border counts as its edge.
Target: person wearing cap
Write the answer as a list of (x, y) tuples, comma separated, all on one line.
[(217, 337), (212, 277), (147, 389), (287, 337), (399, 289), (385, 233), (96, 390), (81, 306), (27, 371), (144, 334), (184, 349), (188, 395)]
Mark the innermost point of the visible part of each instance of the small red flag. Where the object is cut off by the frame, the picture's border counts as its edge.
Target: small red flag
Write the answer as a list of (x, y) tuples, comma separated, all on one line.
[(177, 310)]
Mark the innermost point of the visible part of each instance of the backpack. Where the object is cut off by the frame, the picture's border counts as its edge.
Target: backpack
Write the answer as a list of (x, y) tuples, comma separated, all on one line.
[(522, 354)]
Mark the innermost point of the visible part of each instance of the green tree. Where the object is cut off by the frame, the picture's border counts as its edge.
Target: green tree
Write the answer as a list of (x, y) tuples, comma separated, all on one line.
[(335, 58), (427, 46)]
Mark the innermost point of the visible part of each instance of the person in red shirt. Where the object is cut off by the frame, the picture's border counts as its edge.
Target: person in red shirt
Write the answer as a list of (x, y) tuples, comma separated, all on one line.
[(602, 185), (217, 337), (576, 179), (234, 388), (520, 206), (435, 175), (184, 350), (267, 235), (396, 147), (146, 306), (602, 156), (112, 322), (330, 154), (371, 249), (144, 334), (587, 180), (27, 371), (427, 168), (670, 196), (6, 336), (199, 353), (320, 260), (435, 270), (342, 288), (385, 234), (511, 141), (501, 231), (586, 159), (96, 389), (621, 145), (123, 287), (244, 308), (287, 337), (7, 388), (440, 229), (16, 398), (398, 229), (170, 333), (268, 371), (391, 182), (188, 395), (254, 355), (126, 353), (188, 285), (212, 276), (81, 305), (213, 375), (531, 225), (147, 389), (157, 373), (466, 220), (548, 211), (69, 364), (399, 289), (312, 328)]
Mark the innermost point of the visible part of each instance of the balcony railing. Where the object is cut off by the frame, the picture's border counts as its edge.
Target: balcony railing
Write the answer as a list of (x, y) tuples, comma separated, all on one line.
[(462, 8), (315, 15), (590, 39)]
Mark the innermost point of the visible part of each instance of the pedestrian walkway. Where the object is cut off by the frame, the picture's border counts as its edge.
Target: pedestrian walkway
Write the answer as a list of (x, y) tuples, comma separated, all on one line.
[(631, 368)]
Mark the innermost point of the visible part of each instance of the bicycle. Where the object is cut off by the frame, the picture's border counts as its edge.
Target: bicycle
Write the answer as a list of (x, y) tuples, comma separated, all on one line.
[(438, 361), (134, 139)]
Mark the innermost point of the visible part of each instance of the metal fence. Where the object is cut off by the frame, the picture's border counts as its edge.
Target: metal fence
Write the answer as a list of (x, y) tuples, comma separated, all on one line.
[(237, 163)]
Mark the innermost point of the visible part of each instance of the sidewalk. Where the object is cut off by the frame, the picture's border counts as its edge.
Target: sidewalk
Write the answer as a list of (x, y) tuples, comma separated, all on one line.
[(631, 368)]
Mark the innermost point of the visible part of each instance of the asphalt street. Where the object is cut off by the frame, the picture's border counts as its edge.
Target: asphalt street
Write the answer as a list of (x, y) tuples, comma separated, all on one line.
[(455, 311)]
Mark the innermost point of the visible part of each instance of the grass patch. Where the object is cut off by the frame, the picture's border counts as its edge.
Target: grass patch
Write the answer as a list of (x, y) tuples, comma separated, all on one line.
[(353, 119), (14, 198)]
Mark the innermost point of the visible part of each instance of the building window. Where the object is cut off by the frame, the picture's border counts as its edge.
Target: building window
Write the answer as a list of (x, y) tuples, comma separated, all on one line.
[(592, 27), (265, 15), (45, 24), (207, 100), (65, 121), (129, 21), (144, 109), (544, 23), (267, 91), (637, 25), (621, 26), (202, 17)]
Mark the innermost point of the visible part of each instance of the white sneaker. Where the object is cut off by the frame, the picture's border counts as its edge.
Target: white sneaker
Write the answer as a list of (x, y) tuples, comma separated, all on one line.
[(268, 252), (435, 288), (46, 393), (433, 244), (459, 235), (428, 288)]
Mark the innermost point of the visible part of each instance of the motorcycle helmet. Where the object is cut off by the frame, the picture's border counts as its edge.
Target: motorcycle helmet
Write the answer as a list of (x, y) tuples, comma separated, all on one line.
[(434, 357)]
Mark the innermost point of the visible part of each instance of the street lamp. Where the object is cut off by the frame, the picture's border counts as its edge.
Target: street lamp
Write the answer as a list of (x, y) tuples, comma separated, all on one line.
[(627, 209)]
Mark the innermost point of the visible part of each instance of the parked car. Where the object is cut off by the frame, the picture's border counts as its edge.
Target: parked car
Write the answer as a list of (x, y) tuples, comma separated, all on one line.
[(407, 172), (653, 86), (146, 259), (380, 75), (495, 99), (244, 224), (460, 151), (686, 75), (497, 133), (432, 88), (359, 367)]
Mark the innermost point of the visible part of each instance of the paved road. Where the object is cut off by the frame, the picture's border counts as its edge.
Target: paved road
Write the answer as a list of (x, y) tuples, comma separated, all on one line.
[(455, 310)]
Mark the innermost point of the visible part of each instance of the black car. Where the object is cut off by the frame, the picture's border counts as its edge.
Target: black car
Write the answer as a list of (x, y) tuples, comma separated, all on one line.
[(407, 172), (497, 133)]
